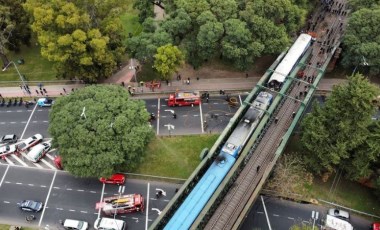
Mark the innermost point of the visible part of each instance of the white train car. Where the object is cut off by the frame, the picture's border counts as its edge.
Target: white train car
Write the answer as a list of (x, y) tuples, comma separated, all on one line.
[(291, 58)]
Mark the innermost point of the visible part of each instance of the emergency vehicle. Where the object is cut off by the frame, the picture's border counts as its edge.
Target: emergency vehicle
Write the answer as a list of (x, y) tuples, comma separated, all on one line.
[(184, 98), (121, 204)]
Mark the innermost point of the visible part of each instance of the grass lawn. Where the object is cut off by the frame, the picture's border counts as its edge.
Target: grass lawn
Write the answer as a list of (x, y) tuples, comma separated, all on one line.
[(35, 67), (174, 156), (6, 227), (347, 193)]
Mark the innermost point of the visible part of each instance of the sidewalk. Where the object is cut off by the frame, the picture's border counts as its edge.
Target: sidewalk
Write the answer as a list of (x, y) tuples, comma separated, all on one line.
[(210, 85)]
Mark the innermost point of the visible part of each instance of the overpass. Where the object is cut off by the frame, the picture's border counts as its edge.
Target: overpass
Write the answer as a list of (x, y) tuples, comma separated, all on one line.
[(232, 200)]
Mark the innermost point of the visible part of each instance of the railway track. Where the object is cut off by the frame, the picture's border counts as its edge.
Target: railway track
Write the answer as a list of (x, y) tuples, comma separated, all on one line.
[(263, 156)]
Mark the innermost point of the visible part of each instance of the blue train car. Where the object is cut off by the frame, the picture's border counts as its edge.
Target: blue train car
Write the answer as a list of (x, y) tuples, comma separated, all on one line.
[(197, 199), (205, 188)]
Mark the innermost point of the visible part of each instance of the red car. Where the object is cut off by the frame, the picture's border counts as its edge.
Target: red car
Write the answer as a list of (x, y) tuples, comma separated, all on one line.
[(116, 178)]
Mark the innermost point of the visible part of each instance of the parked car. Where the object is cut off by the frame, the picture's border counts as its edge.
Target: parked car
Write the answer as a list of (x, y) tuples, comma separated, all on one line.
[(58, 162), (7, 149), (38, 152), (339, 214), (30, 205), (45, 102), (10, 138), (116, 178), (75, 224), (30, 142)]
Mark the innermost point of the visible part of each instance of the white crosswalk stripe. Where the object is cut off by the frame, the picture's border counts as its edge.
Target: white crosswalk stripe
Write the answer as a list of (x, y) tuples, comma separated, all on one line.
[(19, 160), (48, 164), (9, 161), (50, 156)]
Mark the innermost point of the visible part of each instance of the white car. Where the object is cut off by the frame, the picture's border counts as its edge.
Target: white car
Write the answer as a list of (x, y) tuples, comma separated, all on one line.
[(7, 149), (339, 214), (30, 142), (75, 224), (45, 102)]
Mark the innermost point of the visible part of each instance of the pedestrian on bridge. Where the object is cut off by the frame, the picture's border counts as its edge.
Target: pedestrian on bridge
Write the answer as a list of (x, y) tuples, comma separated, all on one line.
[(293, 114), (276, 120)]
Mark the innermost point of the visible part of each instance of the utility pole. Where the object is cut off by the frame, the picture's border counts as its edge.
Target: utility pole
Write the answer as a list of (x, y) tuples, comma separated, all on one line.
[(18, 72)]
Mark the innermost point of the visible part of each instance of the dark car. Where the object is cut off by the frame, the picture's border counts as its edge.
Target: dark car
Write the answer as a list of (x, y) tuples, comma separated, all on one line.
[(10, 138), (31, 205)]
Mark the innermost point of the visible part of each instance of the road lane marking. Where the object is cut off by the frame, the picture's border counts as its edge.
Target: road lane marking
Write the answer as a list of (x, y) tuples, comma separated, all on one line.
[(69, 189), (147, 207), (92, 192), (47, 198), (5, 173), (18, 183), (290, 218), (72, 210), (48, 164), (26, 126), (7, 202), (43, 186), (56, 187), (31, 185), (276, 215), (101, 199), (158, 116), (19, 160), (9, 161), (59, 208), (80, 190), (200, 111), (50, 156), (83, 211)]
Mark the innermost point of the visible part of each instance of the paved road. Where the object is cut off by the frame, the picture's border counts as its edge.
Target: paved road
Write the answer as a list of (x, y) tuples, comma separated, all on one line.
[(282, 214), (65, 196)]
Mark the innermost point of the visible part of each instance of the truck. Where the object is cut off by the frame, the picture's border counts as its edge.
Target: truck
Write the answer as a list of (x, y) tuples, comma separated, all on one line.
[(121, 204), (184, 98)]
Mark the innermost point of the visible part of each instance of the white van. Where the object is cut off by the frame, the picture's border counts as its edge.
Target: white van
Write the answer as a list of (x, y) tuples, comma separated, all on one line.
[(109, 224), (75, 224), (38, 152)]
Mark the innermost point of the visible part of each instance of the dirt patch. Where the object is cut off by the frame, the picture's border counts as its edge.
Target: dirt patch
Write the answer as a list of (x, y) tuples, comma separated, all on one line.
[(215, 69)]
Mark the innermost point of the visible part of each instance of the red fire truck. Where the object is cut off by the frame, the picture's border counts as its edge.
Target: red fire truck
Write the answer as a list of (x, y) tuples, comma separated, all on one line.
[(184, 98), (121, 204)]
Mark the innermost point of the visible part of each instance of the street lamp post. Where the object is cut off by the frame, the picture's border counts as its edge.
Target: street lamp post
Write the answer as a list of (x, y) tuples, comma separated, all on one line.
[(19, 74)]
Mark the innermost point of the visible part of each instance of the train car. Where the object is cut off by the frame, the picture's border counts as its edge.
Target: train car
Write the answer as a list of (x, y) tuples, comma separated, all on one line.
[(289, 61), (185, 215)]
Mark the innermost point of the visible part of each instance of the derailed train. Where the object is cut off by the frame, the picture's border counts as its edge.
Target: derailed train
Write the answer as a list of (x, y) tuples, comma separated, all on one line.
[(197, 199), (189, 210)]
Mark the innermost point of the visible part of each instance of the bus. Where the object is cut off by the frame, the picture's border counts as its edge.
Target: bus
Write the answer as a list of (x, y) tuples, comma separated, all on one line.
[(184, 98)]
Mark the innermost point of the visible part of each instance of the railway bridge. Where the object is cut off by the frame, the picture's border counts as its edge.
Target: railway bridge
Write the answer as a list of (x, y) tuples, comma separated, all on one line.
[(235, 195)]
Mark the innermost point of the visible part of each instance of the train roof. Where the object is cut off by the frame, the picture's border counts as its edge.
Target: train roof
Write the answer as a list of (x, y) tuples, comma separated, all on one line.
[(290, 59), (199, 196)]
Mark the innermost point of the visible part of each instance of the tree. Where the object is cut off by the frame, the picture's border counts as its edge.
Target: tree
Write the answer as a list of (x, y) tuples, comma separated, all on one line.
[(208, 39), (145, 9), (178, 25), (237, 45), (359, 4), (223, 9), (167, 60), (335, 134), (14, 27), (289, 176), (84, 44), (99, 130), (361, 43), (193, 8)]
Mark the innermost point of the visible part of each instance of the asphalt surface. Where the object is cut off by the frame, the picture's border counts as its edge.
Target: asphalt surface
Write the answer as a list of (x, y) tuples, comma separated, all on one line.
[(65, 196), (283, 214)]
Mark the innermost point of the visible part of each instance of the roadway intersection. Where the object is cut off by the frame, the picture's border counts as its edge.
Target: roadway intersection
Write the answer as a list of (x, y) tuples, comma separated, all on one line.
[(67, 197)]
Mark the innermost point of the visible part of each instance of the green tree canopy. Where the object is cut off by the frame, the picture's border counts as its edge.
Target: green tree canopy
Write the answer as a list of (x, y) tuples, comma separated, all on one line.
[(14, 27), (362, 40), (167, 60), (338, 135), (83, 44), (109, 136), (359, 4)]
